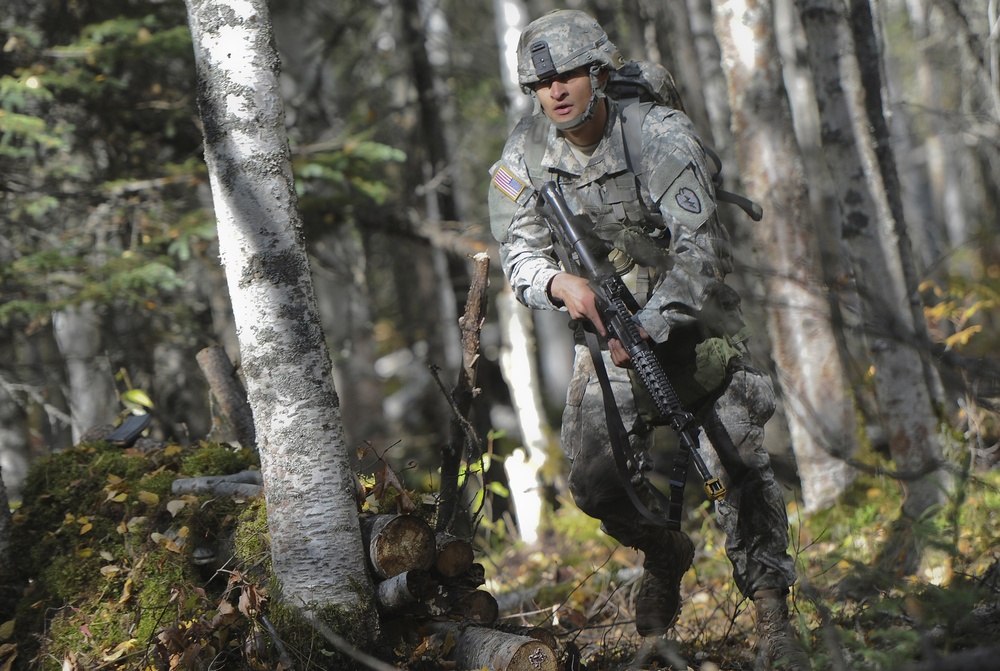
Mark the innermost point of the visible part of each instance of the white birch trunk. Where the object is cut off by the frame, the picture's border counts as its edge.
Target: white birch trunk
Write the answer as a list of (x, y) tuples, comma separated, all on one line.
[(517, 363), (91, 393), (308, 482), (818, 404), (510, 18), (517, 356), (873, 238)]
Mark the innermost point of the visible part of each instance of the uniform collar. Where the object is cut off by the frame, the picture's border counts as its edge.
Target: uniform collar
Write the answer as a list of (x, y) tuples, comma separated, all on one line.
[(608, 159)]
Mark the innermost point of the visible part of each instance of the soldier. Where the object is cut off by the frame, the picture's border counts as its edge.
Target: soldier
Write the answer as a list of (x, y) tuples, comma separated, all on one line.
[(655, 215)]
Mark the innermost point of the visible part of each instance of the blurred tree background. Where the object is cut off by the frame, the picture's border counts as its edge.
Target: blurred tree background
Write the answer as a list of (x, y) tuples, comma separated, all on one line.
[(109, 270)]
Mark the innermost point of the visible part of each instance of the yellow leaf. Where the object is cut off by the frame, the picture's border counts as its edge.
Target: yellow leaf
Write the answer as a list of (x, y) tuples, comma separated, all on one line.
[(175, 506), (120, 649), (117, 497), (6, 630), (122, 528), (85, 528), (69, 519), (113, 479), (148, 498), (82, 520), (107, 556), (137, 397), (127, 592), (110, 570), (962, 337), (84, 552), (183, 532), (171, 450)]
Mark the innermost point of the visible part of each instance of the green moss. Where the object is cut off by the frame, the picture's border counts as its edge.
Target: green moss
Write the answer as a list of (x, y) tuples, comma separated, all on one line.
[(251, 539), (215, 459)]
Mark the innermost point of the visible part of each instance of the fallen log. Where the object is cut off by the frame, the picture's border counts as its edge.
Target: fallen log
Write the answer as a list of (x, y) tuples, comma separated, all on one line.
[(245, 484), (480, 647), (538, 633), (403, 590), (473, 577), (454, 555), (478, 606), (397, 543)]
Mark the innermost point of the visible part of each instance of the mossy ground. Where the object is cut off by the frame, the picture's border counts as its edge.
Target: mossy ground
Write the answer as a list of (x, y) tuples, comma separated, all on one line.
[(106, 578), (105, 572), (878, 620)]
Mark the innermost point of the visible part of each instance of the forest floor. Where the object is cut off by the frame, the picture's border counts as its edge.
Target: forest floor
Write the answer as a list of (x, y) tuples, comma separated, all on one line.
[(108, 576), (848, 613)]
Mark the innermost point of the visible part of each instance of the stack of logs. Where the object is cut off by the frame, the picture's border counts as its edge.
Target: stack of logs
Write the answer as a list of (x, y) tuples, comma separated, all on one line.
[(433, 580)]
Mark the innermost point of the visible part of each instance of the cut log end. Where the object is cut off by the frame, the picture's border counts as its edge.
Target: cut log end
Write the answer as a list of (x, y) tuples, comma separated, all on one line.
[(398, 543), (454, 556)]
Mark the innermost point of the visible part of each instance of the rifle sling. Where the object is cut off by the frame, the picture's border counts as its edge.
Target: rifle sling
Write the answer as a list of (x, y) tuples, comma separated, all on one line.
[(621, 448)]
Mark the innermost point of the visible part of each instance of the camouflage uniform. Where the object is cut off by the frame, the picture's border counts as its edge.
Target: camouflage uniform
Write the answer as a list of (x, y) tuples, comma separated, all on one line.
[(674, 252)]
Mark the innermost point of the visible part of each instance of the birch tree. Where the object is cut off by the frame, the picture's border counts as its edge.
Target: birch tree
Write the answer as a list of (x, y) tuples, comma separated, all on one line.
[(874, 238), (519, 348), (818, 402), (309, 486)]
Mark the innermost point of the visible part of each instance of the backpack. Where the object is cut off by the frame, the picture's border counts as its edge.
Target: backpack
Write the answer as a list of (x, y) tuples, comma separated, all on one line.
[(637, 86)]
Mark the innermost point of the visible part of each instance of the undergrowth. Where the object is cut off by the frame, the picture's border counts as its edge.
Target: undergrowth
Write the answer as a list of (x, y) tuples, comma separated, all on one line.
[(848, 613), (108, 577)]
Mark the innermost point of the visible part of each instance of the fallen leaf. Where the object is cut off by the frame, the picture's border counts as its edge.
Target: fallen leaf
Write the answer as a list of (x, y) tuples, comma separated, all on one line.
[(127, 591), (148, 498)]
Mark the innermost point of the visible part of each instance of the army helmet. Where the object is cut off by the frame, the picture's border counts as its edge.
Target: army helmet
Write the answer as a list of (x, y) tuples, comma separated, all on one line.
[(560, 41)]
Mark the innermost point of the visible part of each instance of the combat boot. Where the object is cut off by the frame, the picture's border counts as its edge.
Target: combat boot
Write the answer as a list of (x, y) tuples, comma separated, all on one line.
[(777, 648), (659, 600)]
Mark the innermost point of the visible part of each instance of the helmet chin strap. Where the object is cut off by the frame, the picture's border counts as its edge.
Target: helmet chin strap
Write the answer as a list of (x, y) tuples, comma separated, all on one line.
[(597, 92)]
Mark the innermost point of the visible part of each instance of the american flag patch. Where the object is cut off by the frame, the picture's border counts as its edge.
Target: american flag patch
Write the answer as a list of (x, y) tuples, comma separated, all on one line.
[(509, 185)]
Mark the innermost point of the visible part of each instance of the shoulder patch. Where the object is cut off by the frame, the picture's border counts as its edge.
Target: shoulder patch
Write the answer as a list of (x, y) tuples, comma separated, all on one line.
[(687, 200), (507, 183)]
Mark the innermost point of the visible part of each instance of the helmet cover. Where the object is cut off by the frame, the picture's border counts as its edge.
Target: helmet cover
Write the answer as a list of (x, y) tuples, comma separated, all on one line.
[(561, 41)]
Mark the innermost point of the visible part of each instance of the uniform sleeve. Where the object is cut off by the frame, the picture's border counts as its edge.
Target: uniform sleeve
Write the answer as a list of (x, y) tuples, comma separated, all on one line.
[(680, 184), (526, 252)]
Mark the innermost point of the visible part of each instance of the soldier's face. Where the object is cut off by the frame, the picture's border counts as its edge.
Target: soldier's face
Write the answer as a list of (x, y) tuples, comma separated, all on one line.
[(566, 96)]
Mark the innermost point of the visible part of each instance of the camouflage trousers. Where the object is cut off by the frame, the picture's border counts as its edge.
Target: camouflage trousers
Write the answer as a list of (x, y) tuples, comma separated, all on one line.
[(752, 514)]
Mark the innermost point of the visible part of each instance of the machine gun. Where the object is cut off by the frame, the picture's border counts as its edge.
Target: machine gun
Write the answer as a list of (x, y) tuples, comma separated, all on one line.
[(618, 306)]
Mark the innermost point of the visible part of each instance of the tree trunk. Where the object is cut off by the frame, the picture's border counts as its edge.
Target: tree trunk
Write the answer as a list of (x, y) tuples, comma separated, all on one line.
[(91, 394), (510, 18), (15, 446), (818, 403), (6, 525), (229, 393), (518, 349), (308, 482), (340, 274), (872, 236)]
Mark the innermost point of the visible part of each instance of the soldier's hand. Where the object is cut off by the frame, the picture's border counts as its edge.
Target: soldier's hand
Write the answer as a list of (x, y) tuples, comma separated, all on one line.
[(579, 299), (620, 355)]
